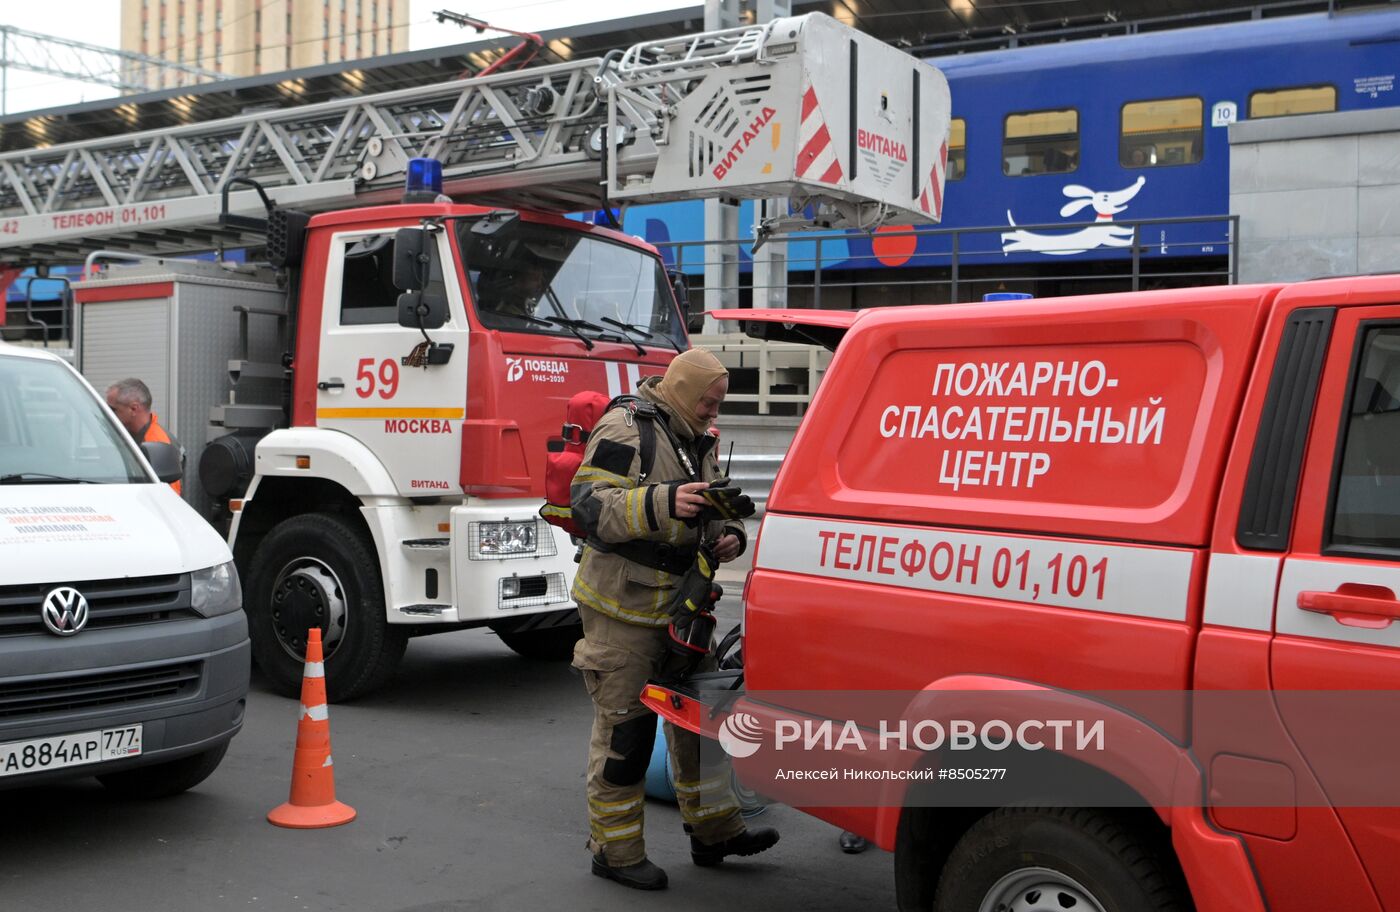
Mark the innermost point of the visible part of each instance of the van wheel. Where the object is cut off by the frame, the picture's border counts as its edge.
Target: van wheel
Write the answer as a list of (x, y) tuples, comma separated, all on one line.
[(554, 644), (1025, 859), (320, 571), (161, 780)]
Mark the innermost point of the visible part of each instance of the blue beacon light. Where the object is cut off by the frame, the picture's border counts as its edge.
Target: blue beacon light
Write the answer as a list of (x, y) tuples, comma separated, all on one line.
[(423, 183)]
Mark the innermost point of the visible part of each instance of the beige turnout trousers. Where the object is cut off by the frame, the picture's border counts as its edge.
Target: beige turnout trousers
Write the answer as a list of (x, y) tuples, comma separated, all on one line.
[(616, 659)]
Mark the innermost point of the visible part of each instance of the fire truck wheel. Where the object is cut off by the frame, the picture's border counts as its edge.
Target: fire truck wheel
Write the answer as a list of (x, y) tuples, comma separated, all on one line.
[(319, 570), (553, 645), (1027, 859)]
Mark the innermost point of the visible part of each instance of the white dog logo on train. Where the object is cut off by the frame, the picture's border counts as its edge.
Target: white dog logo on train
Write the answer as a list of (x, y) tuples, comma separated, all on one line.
[(1103, 233)]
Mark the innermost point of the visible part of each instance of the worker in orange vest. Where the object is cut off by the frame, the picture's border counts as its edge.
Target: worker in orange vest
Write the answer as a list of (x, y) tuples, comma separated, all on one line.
[(130, 400)]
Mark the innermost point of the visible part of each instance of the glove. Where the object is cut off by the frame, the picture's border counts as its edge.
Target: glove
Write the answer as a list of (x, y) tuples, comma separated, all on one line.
[(696, 590), (724, 500)]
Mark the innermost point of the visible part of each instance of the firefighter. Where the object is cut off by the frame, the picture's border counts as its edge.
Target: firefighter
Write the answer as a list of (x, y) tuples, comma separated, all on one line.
[(645, 525), (130, 400)]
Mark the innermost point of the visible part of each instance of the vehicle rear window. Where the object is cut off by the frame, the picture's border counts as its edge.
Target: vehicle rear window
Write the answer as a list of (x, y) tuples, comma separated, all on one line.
[(1367, 489)]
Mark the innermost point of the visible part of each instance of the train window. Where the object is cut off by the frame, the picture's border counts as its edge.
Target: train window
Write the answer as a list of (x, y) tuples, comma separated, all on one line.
[(1167, 131), (1302, 100), (1041, 142), (957, 149)]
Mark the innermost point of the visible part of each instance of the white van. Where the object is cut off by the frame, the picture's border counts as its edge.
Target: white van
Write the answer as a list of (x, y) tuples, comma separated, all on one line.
[(123, 645)]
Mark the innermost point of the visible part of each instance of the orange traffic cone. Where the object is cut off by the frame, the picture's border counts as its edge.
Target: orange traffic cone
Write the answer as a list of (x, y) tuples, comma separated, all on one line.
[(312, 803)]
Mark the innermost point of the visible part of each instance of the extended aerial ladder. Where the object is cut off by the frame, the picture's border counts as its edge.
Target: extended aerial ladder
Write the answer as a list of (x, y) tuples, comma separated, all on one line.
[(852, 130)]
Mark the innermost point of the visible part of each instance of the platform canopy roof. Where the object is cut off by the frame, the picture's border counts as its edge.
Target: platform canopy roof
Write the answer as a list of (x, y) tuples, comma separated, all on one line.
[(929, 28)]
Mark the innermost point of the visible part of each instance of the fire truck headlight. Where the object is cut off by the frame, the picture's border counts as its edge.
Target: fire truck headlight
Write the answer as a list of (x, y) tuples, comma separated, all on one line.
[(504, 539)]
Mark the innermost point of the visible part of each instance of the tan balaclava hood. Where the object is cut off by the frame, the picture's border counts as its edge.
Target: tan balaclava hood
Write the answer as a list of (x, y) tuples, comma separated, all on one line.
[(686, 380)]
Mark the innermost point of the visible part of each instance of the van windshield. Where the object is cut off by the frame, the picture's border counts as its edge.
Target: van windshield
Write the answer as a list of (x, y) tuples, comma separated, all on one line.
[(544, 279), (54, 431)]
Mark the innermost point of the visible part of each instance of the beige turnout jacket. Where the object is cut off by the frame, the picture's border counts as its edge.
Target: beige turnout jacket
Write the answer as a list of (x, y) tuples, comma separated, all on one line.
[(616, 505)]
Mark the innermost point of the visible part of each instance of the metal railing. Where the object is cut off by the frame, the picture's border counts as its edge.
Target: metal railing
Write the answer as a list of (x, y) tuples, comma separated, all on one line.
[(958, 250), (46, 321), (754, 472), (771, 360)]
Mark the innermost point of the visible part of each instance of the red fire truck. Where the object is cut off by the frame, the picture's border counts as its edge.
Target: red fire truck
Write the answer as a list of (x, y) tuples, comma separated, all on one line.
[(371, 412)]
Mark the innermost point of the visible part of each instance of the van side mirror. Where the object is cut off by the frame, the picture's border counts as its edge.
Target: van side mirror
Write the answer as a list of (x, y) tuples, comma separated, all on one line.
[(422, 309), (412, 258), (164, 459)]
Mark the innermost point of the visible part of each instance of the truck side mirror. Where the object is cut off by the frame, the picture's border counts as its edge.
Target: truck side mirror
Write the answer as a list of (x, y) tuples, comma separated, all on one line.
[(411, 260), (682, 293), (422, 309), (164, 459)]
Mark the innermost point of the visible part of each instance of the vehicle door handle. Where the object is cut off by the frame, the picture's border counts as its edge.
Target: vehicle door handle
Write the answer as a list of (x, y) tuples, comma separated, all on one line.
[(1373, 611), (331, 384)]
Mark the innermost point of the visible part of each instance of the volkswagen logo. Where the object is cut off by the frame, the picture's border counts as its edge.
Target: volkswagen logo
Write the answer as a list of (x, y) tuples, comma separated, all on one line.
[(65, 611)]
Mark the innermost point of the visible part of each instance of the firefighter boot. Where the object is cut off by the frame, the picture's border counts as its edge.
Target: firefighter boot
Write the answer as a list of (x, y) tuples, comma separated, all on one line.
[(640, 876), (749, 842)]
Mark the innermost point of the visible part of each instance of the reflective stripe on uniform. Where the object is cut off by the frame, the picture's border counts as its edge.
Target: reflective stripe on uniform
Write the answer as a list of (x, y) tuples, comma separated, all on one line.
[(591, 474), (706, 812), (617, 833), (605, 809), (593, 597), (632, 507), (702, 785), (587, 595)]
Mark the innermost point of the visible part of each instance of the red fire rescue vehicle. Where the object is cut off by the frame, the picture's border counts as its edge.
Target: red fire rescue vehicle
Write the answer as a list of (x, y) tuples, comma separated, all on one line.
[(1175, 513)]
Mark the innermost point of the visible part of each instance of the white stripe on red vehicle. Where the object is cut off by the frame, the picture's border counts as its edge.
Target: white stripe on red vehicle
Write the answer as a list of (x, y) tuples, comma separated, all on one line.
[(1137, 581), (1240, 591)]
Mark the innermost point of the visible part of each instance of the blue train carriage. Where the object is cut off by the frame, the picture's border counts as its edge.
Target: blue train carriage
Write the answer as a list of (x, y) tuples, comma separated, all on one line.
[(1091, 133)]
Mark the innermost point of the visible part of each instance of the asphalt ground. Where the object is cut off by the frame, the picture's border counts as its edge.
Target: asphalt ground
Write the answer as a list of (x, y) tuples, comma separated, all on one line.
[(467, 773)]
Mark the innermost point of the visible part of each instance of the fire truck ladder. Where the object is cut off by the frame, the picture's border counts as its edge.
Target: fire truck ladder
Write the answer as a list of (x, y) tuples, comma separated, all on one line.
[(568, 137)]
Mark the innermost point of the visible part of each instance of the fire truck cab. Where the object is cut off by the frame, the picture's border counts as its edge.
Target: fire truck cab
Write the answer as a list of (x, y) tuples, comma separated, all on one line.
[(403, 497)]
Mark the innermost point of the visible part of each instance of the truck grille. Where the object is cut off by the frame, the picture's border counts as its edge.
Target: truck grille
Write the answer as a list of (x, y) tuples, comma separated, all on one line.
[(111, 603), (70, 693)]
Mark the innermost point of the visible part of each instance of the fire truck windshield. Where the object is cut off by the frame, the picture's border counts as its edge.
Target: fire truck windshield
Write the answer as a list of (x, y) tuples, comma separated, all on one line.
[(557, 281)]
